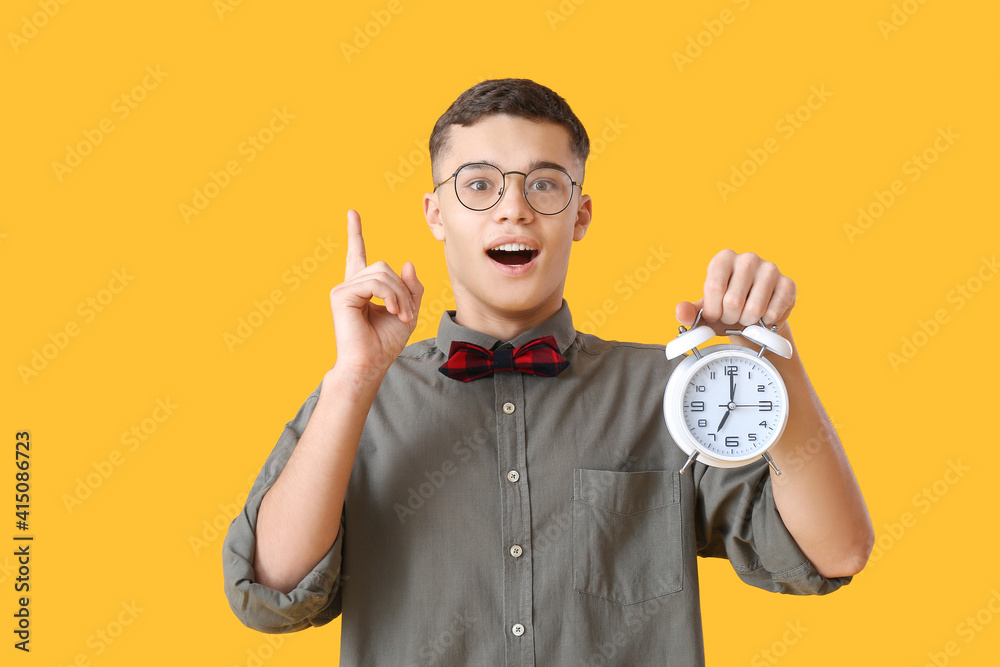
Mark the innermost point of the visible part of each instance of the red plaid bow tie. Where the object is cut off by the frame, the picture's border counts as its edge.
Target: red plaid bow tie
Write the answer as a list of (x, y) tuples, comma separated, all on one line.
[(467, 361)]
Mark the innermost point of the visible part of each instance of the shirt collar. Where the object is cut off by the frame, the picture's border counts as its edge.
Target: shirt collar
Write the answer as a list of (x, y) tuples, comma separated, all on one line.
[(559, 326)]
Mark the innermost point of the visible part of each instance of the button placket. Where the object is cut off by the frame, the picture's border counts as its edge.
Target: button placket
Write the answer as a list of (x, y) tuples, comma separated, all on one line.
[(516, 516)]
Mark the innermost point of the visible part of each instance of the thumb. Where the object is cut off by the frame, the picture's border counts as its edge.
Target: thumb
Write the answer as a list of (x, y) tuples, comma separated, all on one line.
[(409, 276), (686, 312)]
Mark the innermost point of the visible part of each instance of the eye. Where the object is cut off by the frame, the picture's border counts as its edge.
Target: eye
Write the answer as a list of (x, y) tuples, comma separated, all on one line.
[(479, 185), (543, 185)]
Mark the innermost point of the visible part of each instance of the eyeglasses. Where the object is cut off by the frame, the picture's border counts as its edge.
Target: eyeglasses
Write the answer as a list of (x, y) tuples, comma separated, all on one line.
[(479, 186)]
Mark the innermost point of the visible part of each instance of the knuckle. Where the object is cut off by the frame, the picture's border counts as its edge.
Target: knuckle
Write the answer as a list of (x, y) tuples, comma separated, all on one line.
[(714, 285), (732, 303), (721, 259), (747, 260), (754, 305), (769, 270)]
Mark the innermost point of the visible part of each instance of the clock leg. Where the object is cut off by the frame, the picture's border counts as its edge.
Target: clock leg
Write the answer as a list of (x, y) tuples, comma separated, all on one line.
[(690, 460), (770, 462)]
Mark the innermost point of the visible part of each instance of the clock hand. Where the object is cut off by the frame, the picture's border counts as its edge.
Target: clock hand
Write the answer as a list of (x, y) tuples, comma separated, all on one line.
[(724, 418), (732, 388)]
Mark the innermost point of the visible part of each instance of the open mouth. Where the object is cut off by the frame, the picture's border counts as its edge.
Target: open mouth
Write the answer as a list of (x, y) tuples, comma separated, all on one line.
[(512, 254)]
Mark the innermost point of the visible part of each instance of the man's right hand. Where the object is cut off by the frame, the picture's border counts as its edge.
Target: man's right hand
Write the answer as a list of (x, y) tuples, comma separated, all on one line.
[(371, 336), (300, 514)]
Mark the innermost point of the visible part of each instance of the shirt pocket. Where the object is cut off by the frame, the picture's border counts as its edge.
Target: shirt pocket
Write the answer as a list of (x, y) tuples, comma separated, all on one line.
[(627, 534)]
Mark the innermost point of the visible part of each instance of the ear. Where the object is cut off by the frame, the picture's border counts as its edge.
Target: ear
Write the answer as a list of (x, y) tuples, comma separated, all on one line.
[(584, 214), (432, 212)]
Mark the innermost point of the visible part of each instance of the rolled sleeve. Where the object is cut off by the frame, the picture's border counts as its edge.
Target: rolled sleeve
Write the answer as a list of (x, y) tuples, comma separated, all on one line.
[(315, 600), (740, 521)]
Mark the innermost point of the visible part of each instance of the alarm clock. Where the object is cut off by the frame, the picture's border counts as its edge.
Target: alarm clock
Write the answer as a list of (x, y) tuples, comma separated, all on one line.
[(726, 405)]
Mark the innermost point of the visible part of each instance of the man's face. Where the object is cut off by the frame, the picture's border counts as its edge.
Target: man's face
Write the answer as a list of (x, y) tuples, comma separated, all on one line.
[(489, 283)]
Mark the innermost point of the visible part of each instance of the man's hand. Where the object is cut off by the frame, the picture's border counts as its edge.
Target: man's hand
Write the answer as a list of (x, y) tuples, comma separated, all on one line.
[(740, 288), (300, 514), (817, 496), (370, 336)]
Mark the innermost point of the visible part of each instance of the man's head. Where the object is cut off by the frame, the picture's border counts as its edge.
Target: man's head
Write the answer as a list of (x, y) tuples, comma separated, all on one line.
[(502, 154), (520, 98)]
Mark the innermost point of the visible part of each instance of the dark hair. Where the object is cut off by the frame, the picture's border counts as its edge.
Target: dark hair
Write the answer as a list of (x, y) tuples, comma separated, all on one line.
[(521, 98)]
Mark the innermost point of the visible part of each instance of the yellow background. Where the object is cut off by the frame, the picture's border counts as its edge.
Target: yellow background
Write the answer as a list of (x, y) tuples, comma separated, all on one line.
[(664, 136)]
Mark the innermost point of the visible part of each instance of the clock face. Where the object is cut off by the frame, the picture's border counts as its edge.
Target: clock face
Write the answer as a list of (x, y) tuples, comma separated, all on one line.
[(732, 405)]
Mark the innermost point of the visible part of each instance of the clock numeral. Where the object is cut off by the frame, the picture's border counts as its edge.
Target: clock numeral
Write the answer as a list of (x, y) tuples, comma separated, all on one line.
[(760, 389), (713, 436), (752, 437), (763, 423), (749, 377), (697, 406), (765, 406), (700, 388), (711, 375), (732, 441), (702, 423), (732, 370)]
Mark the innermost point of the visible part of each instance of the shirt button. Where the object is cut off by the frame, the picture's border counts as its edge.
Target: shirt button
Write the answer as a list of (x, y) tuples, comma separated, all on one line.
[(515, 551), (508, 408), (513, 476), (518, 629)]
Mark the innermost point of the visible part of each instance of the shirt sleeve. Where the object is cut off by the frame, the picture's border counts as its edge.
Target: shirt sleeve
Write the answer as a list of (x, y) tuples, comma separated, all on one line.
[(316, 599), (738, 520)]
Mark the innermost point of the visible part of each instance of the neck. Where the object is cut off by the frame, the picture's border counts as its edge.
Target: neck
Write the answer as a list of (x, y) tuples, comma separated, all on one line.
[(505, 325)]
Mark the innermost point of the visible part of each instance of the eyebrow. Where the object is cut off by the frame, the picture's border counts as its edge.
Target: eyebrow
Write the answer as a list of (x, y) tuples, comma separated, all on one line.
[(535, 164)]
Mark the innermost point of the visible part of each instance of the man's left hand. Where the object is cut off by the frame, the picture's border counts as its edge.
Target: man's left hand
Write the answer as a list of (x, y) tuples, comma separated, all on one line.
[(740, 288)]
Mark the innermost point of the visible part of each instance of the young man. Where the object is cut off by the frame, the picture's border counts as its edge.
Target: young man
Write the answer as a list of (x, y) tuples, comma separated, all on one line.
[(534, 514)]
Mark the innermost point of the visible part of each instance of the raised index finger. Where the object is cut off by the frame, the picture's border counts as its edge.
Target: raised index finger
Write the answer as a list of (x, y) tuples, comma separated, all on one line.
[(356, 258)]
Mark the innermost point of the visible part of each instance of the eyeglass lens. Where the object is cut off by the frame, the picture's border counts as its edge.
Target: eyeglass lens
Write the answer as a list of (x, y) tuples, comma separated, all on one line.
[(479, 187)]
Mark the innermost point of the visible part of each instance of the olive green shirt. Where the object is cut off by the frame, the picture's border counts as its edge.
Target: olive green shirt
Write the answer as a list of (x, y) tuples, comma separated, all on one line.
[(522, 520)]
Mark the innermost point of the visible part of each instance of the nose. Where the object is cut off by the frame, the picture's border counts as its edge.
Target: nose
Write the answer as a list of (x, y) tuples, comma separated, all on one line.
[(513, 206)]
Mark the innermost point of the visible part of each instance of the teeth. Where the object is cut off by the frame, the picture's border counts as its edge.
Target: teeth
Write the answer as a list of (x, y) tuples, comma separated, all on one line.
[(512, 247)]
